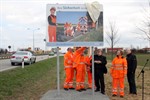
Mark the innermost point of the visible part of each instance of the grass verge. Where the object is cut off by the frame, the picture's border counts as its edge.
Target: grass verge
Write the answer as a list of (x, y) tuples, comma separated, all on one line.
[(30, 82)]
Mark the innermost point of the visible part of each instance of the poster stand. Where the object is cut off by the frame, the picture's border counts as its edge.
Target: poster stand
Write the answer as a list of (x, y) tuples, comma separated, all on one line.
[(58, 73)]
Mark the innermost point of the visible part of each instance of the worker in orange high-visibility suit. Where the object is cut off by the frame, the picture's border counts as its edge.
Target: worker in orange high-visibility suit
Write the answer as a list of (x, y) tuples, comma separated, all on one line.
[(79, 65), (52, 25), (78, 27), (118, 72), (68, 67), (88, 69)]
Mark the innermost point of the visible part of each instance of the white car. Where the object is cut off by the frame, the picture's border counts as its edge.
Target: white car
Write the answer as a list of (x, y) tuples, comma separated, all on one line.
[(20, 56)]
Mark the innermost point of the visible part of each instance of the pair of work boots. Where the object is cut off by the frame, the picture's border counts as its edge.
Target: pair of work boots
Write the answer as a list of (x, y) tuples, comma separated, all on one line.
[(97, 90), (114, 95), (71, 88), (80, 90)]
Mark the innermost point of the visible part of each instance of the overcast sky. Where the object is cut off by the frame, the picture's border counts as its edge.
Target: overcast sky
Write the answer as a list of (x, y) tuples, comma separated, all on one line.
[(18, 15)]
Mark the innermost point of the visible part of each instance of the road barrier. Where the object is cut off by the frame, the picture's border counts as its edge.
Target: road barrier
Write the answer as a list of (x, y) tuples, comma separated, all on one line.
[(5, 57)]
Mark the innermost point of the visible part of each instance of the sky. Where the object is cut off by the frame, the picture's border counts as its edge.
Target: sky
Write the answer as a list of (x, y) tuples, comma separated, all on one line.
[(16, 16), (62, 17)]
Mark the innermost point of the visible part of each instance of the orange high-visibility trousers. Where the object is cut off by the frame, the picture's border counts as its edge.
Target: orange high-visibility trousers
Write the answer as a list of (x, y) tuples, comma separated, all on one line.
[(118, 82), (80, 77), (69, 78), (89, 79), (83, 77), (52, 33)]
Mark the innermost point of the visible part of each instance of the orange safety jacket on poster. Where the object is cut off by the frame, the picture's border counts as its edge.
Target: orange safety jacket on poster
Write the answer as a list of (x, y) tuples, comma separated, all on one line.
[(52, 28)]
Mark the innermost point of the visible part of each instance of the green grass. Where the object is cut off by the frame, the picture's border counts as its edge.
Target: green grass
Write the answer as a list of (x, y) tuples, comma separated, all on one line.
[(30, 81), (93, 35), (141, 58)]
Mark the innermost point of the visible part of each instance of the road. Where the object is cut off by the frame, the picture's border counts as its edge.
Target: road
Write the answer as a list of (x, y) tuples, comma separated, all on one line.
[(6, 65)]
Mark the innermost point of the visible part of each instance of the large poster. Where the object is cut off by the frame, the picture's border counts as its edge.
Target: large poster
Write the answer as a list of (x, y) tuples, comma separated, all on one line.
[(71, 25)]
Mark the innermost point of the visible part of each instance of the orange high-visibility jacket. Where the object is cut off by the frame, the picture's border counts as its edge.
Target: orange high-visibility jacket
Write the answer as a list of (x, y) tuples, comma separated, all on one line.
[(68, 60), (76, 56), (88, 62), (119, 67)]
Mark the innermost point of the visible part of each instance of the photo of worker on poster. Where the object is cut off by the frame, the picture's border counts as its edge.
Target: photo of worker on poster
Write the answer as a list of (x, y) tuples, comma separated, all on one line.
[(71, 25)]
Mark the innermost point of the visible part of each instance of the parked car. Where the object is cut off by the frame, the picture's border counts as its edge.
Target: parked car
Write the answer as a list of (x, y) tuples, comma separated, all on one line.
[(19, 56), (51, 54)]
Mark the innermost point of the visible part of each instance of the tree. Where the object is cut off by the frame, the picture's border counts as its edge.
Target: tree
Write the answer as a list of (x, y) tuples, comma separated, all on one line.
[(112, 35), (144, 26)]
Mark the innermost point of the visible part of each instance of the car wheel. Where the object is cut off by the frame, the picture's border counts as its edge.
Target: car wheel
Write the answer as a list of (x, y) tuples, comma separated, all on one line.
[(30, 62), (34, 60), (12, 63)]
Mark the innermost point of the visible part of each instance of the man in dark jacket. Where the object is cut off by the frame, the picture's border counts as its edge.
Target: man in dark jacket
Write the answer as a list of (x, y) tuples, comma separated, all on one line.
[(132, 65), (99, 67)]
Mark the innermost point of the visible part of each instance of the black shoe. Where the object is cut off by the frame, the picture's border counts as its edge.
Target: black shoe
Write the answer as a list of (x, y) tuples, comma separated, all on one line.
[(114, 95), (71, 88), (89, 88), (134, 93), (103, 93), (79, 90), (66, 89), (121, 96), (97, 90), (83, 89)]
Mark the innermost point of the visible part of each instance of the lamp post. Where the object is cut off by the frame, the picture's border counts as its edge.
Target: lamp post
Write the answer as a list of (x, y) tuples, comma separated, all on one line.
[(45, 44), (33, 30)]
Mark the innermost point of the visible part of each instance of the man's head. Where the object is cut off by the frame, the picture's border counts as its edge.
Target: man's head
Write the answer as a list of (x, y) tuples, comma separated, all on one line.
[(69, 49), (128, 51), (52, 10), (99, 52)]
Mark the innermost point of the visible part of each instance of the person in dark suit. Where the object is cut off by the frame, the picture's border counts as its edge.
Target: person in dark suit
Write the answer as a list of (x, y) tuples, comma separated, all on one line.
[(99, 67), (132, 65)]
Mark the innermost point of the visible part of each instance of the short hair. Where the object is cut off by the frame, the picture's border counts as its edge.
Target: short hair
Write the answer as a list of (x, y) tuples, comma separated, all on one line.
[(53, 8), (98, 50)]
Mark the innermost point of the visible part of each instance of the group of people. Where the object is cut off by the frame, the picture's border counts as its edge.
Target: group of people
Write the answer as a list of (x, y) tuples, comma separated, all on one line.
[(77, 63)]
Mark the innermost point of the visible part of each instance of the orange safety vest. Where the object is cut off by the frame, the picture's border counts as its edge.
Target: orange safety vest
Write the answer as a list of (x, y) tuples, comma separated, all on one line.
[(119, 67), (53, 19), (68, 60), (76, 56)]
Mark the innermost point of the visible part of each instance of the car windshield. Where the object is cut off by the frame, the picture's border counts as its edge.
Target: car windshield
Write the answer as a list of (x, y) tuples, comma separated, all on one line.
[(21, 53)]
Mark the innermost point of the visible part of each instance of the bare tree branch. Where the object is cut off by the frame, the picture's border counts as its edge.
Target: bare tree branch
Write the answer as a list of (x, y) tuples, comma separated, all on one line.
[(112, 35), (144, 27)]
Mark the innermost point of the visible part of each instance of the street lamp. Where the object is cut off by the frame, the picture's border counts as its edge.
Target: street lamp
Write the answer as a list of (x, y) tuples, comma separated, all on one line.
[(45, 43), (33, 30)]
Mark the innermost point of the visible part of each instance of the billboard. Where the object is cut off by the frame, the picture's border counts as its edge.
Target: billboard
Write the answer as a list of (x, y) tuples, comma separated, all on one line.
[(71, 25)]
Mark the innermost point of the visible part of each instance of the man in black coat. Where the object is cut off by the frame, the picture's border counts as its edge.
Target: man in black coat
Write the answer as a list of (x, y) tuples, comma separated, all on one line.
[(132, 65), (99, 70)]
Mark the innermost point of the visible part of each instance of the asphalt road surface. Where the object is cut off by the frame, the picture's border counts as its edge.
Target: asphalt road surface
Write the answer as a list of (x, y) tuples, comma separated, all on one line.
[(6, 64)]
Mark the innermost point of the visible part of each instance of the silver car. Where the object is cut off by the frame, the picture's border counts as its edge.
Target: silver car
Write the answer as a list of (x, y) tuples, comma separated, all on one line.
[(21, 56)]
